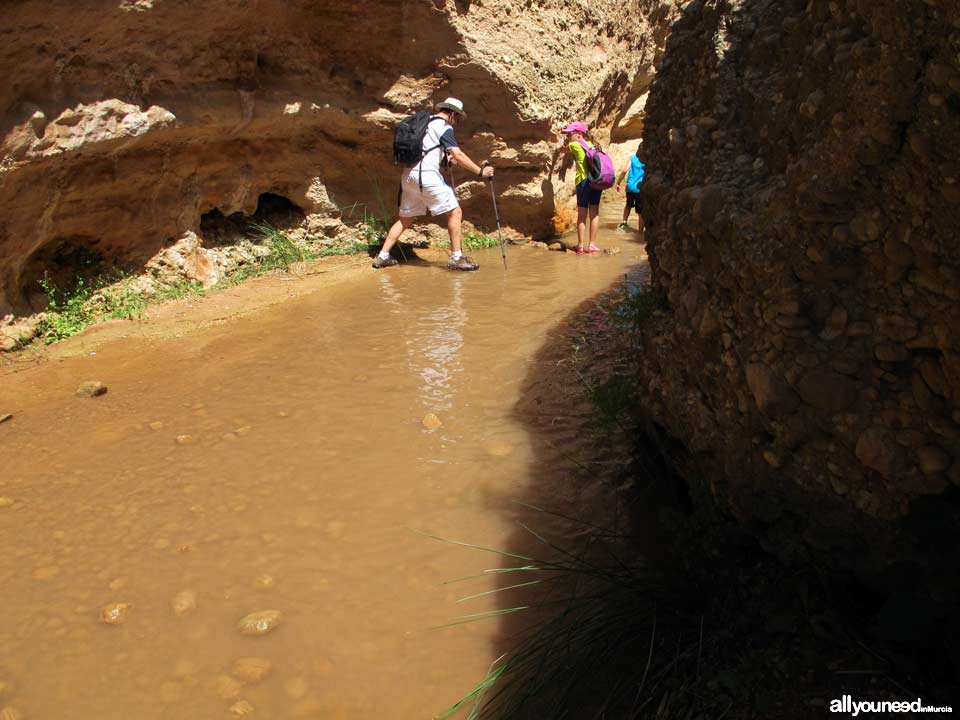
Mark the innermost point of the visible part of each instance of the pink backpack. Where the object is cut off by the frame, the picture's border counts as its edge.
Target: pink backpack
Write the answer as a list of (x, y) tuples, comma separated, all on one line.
[(600, 171)]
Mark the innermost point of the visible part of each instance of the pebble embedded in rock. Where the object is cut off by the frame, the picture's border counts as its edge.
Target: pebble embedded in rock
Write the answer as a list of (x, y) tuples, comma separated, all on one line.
[(184, 603), (184, 439), (241, 709), (260, 623), (431, 421), (91, 388), (932, 459), (114, 613), (251, 669)]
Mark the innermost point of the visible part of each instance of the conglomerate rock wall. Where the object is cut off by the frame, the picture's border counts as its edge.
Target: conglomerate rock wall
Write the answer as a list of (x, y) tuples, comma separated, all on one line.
[(803, 208), (123, 122)]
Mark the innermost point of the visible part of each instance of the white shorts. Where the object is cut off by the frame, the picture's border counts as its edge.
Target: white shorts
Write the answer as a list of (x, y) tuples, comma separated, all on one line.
[(436, 196)]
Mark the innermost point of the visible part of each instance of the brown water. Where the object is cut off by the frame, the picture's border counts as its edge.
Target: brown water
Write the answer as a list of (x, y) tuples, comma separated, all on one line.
[(278, 463)]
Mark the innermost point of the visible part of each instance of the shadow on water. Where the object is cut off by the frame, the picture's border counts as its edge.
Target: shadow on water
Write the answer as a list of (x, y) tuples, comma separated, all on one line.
[(586, 586)]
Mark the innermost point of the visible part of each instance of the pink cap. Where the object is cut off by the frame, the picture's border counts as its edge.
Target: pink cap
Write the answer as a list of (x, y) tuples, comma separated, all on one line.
[(574, 127)]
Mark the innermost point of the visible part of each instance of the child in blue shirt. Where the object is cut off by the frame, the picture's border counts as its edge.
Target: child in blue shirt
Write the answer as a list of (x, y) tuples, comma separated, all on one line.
[(634, 177)]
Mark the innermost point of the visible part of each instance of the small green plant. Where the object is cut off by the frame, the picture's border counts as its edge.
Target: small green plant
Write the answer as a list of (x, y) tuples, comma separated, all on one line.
[(638, 305), (284, 252), (67, 311), (614, 636), (474, 241)]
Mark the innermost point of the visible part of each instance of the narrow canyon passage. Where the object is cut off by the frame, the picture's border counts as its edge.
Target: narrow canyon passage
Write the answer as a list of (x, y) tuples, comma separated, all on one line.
[(283, 463)]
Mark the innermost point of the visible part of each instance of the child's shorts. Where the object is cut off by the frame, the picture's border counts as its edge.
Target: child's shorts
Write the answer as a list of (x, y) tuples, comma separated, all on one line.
[(586, 195)]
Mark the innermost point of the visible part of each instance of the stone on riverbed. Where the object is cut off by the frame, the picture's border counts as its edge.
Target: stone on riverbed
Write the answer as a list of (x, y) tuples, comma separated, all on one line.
[(184, 603), (251, 669), (114, 613), (91, 388), (260, 623), (431, 421)]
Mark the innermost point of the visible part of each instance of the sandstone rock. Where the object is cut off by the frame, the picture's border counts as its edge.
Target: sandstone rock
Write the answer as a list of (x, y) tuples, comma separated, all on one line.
[(91, 388), (827, 390), (770, 391), (186, 258)]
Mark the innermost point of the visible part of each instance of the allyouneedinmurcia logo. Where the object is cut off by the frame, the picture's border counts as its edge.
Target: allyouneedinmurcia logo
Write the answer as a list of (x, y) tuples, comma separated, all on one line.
[(848, 705)]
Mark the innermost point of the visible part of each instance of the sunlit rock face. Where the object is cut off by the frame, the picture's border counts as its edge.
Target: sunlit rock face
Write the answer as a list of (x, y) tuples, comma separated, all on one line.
[(124, 122), (803, 217)]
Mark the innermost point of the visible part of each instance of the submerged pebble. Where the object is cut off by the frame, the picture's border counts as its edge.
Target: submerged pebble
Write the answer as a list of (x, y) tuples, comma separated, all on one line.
[(170, 692), (241, 709), (260, 623), (296, 688), (228, 688), (118, 584), (114, 613), (251, 669), (6, 502), (47, 572), (431, 421), (184, 439), (184, 603), (5, 417), (156, 425), (264, 582)]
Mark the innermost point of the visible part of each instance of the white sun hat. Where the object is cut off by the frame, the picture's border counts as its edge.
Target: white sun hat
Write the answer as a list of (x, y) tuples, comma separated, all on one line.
[(452, 104)]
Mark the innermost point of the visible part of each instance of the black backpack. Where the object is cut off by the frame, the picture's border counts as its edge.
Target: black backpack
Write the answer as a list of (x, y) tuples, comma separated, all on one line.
[(408, 138)]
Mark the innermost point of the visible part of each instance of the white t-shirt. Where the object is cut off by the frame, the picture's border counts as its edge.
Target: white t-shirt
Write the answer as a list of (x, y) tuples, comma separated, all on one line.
[(439, 132)]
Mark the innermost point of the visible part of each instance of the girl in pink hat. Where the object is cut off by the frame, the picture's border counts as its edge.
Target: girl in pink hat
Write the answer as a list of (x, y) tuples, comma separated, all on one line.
[(588, 198)]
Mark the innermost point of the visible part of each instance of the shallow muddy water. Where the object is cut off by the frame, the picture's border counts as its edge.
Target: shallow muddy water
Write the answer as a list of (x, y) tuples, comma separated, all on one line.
[(282, 463)]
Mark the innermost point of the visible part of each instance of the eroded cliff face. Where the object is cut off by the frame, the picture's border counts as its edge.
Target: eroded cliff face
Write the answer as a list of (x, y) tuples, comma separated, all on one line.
[(802, 216), (124, 124)]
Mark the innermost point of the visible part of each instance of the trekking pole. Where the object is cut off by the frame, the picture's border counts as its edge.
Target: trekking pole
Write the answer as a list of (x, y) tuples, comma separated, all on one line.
[(493, 196)]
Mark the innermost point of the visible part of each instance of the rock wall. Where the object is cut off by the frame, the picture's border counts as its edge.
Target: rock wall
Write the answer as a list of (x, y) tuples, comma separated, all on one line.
[(802, 214), (124, 122)]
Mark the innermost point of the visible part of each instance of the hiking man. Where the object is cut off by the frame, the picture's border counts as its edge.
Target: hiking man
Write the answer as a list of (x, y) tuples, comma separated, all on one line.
[(424, 189), (634, 175)]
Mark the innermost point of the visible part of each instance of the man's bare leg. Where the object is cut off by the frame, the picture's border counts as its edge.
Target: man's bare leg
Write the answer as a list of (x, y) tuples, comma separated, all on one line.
[(394, 233), (454, 222)]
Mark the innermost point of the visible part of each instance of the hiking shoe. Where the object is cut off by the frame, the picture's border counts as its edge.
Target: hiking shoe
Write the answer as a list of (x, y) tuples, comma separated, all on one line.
[(379, 262), (464, 263)]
